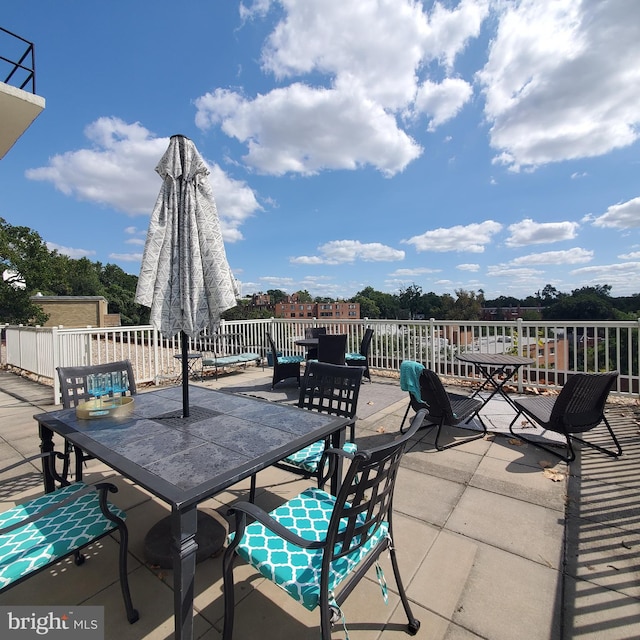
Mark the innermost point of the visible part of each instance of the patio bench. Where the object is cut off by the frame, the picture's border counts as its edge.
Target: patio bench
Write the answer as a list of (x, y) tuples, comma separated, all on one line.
[(229, 350)]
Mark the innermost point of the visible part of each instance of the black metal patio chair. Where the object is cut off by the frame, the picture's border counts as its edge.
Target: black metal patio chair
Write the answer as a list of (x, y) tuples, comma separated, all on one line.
[(74, 389), (445, 409), (41, 531), (284, 367), (579, 407), (313, 332), (316, 546), (332, 347), (361, 358), (326, 388)]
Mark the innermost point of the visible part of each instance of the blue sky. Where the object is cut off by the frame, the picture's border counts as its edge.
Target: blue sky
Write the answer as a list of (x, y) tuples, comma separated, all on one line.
[(477, 144)]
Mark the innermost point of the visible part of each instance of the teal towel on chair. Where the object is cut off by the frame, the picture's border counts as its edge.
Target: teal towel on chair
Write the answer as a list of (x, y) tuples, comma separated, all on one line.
[(410, 378)]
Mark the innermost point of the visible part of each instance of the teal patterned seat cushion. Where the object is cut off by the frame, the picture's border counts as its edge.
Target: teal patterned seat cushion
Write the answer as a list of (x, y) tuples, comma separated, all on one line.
[(290, 359), (292, 568), (309, 457), (37, 544), (355, 356)]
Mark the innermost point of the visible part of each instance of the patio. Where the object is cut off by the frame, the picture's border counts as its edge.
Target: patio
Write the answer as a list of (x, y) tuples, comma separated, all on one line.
[(489, 545)]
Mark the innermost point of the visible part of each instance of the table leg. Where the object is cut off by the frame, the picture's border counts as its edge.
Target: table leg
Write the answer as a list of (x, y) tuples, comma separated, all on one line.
[(46, 445), (490, 379), (184, 524)]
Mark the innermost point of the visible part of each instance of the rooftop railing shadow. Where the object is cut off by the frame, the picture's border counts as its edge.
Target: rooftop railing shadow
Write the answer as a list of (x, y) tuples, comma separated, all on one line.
[(602, 569)]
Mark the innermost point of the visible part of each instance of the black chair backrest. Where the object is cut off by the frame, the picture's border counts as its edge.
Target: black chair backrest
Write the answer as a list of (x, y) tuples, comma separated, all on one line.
[(366, 342), (366, 495), (272, 345), (580, 403), (73, 380), (314, 332), (435, 396), (332, 347), (331, 388)]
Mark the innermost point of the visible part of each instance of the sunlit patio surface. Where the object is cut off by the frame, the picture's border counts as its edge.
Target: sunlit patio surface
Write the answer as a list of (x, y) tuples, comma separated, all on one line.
[(492, 544)]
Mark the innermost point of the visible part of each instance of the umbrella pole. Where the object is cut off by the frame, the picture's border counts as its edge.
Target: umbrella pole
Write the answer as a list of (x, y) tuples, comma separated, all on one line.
[(185, 374)]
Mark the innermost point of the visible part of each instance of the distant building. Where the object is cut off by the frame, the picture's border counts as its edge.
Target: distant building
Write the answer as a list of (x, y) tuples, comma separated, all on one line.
[(76, 311), (500, 314), (320, 310)]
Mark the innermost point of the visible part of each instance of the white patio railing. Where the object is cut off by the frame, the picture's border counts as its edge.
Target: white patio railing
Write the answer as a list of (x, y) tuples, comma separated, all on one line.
[(556, 349)]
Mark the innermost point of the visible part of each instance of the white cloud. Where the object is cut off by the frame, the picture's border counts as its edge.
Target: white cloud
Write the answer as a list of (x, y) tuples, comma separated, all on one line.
[(119, 171), (344, 251), (634, 255), (468, 267), (622, 277), (126, 257), (442, 101), (70, 251), (562, 80), (472, 237), (301, 129), (624, 215), (347, 70), (529, 232), (408, 273), (570, 256)]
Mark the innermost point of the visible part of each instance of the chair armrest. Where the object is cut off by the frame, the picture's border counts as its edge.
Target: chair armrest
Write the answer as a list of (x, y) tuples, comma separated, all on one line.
[(329, 456), (40, 456), (244, 509)]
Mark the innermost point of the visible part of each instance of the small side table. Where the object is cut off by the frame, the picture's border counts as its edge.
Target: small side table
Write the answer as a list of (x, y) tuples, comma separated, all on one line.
[(496, 369), (192, 361)]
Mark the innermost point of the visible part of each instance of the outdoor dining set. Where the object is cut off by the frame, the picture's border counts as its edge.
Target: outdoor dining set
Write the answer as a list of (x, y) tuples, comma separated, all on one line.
[(228, 437), (186, 443)]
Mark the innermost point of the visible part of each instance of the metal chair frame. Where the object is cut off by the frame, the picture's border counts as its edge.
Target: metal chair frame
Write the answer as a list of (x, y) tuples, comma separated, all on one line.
[(365, 344), (332, 347), (363, 504), (43, 516), (74, 390), (282, 370)]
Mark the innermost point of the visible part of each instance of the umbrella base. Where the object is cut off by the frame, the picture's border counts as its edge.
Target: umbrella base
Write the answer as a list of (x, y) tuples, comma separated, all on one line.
[(210, 537)]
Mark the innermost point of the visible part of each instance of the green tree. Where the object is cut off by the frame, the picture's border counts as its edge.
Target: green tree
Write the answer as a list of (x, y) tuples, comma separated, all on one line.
[(304, 296), (467, 306), (587, 303), (277, 295), (26, 269), (410, 299)]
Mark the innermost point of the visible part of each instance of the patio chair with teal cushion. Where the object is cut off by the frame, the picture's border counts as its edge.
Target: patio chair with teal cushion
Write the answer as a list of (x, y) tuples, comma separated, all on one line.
[(326, 388), (361, 358), (284, 367), (579, 407), (41, 531), (317, 546)]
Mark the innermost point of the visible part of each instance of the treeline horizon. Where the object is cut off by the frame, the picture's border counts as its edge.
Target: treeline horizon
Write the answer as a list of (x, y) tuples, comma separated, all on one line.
[(29, 268)]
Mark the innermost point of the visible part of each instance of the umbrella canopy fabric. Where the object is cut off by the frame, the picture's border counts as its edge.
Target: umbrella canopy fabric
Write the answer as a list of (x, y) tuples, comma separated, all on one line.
[(185, 277)]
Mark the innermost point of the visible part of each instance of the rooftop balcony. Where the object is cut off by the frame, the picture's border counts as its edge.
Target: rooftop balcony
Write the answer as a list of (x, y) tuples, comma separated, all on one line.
[(19, 103), (491, 545)]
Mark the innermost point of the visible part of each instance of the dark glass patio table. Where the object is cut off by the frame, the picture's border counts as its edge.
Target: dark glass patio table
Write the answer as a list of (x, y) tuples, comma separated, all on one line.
[(183, 461)]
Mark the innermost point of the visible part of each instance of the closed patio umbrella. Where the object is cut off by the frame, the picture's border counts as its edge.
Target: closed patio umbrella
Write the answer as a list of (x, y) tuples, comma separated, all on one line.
[(185, 278)]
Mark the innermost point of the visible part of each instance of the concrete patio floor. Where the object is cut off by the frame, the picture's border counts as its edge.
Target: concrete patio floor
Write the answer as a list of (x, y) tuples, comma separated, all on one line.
[(489, 546)]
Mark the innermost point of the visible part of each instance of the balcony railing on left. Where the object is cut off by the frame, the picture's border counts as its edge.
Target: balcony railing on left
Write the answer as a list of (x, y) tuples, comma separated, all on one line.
[(19, 69)]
